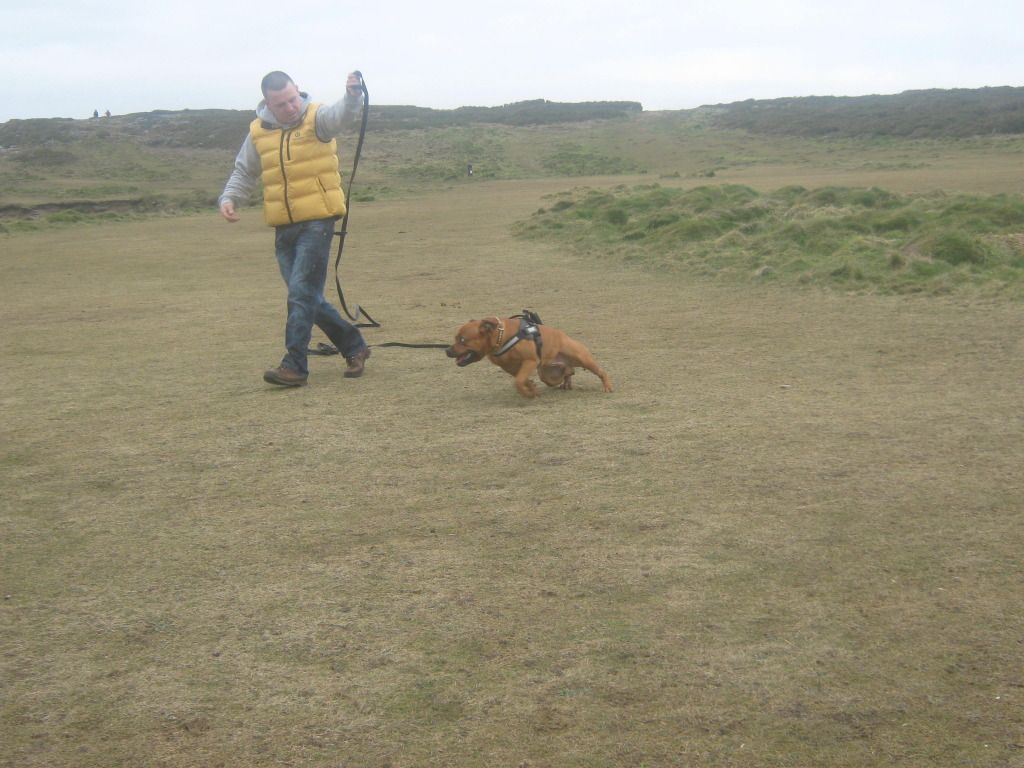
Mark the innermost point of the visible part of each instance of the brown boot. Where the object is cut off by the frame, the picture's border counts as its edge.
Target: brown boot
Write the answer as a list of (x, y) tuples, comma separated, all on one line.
[(284, 377), (356, 364)]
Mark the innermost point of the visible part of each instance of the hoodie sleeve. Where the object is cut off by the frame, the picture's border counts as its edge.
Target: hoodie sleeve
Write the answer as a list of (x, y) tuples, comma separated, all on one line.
[(245, 176), (335, 119)]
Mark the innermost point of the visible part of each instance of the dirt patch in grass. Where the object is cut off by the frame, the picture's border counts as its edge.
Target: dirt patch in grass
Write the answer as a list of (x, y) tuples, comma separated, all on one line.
[(790, 537)]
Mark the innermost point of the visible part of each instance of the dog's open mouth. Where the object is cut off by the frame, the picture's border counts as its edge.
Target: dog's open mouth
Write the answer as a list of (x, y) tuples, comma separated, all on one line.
[(466, 358)]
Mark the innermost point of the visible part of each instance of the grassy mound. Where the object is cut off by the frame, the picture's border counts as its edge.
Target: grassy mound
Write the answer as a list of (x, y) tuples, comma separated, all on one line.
[(852, 239)]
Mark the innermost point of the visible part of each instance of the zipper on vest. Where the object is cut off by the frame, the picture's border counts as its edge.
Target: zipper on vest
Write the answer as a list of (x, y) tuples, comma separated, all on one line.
[(285, 151)]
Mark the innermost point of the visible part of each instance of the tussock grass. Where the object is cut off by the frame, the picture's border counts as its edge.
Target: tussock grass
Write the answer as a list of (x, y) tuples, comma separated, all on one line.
[(845, 238)]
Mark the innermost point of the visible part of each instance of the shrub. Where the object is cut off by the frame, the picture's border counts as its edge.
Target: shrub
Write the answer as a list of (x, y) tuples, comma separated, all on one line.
[(956, 248), (617, 216)]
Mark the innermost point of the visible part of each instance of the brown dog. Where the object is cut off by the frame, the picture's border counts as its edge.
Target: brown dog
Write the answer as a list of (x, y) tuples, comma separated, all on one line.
[(522, 346)]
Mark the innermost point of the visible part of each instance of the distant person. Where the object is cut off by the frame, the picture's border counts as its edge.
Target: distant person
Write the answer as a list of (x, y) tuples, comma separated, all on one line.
[(95, 113), (291, 148), (469, 169), (107, 113)]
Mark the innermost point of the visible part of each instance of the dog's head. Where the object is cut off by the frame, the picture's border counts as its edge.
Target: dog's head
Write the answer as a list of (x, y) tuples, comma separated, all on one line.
[(473, 341)]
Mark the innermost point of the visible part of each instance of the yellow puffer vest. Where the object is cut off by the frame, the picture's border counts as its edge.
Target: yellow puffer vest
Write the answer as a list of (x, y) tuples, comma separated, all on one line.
[(301, 181)]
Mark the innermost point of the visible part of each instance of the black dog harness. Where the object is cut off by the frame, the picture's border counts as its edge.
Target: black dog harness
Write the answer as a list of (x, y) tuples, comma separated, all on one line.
[(529, 328)]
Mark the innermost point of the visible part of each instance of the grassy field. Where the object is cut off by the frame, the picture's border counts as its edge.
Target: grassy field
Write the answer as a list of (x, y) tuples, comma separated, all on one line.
[(790, 537)]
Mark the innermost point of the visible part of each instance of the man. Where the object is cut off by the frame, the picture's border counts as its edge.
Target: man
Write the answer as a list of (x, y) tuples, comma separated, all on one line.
[(291, 148)]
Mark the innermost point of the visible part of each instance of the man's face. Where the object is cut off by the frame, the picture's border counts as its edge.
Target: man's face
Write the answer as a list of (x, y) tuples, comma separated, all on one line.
[(286, 104)]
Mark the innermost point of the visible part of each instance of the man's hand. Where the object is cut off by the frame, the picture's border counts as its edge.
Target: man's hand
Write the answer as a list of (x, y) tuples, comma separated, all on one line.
[(354, 85), (227, 210)]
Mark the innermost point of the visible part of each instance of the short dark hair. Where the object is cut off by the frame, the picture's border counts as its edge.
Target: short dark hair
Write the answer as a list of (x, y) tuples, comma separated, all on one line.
[(275, 81)]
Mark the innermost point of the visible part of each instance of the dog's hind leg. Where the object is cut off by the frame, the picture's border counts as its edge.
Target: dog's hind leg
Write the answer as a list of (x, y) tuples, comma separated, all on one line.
[(580, 355)]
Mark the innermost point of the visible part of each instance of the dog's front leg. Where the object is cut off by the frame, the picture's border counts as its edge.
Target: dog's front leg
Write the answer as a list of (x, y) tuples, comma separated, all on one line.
[(523, 383)]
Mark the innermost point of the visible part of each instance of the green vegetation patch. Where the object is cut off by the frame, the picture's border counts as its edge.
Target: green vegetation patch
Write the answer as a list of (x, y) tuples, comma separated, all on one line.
[(44, 157), (444, 154), (572, 159), (869, 240)]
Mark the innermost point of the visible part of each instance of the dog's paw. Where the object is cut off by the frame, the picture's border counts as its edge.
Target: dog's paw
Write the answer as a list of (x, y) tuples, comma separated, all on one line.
[(528, 389)]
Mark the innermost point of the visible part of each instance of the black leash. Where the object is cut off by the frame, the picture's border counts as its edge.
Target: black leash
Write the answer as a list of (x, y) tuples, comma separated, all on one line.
[(371, 323), (330, 349), (529, 316)]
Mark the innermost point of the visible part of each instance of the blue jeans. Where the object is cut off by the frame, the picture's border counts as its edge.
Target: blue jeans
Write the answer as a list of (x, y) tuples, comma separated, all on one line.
[(303, 251)]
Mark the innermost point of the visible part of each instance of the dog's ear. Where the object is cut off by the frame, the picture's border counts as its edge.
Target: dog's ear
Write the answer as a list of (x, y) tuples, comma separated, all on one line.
[(486, 326)]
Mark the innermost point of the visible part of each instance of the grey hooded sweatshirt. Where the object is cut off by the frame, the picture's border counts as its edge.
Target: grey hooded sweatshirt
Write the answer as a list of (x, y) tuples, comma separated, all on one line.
[(330, 122)]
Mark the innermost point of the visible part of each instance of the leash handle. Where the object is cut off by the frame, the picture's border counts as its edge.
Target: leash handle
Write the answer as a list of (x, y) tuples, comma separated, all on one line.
[(362, 134)]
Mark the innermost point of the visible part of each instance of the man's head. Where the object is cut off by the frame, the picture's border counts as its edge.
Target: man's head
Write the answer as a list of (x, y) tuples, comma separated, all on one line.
[(283, 97)]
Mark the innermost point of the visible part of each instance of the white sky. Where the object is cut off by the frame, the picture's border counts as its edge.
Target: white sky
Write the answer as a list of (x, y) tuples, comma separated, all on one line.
[(65, 58)]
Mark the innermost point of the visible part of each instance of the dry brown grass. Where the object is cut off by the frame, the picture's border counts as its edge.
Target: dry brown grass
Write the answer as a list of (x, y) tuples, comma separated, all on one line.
[(791, 537)]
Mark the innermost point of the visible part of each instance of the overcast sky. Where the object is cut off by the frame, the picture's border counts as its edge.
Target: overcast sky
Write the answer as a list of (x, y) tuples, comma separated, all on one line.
[(65, 58)]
